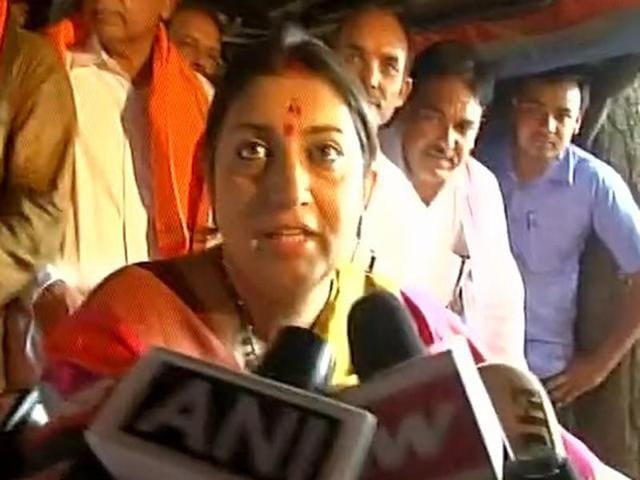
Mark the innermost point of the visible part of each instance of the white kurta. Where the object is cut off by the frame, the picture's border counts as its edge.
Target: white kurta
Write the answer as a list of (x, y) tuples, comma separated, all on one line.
[(111, 222), (424, 247)]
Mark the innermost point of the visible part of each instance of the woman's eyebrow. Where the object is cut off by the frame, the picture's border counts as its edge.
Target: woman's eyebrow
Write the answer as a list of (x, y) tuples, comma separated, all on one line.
[(254, 127), (316, 129), (267, 129)]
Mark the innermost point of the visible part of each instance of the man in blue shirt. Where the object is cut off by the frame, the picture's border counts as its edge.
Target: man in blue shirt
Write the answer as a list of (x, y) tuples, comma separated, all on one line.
[(556, 194)]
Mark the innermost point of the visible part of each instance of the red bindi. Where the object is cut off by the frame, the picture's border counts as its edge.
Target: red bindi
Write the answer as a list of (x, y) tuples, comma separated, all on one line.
[(293, 114), (288, 129)]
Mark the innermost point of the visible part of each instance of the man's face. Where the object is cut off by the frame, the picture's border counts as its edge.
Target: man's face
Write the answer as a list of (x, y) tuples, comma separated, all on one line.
[(119, 23), (375, 48), (20, 12), (440, 130), (198, 38), (547, 116)]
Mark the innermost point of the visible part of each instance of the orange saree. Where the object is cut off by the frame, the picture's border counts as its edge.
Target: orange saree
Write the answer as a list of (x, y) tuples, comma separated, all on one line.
[(152, 305), (131, 312), (4, 7)]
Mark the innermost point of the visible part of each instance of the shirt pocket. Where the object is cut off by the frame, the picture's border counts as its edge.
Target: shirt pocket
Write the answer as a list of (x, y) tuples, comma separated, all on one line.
[(554, 238)]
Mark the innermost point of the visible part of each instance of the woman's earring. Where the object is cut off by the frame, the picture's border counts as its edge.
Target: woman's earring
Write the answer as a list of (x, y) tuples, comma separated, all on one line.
[(358, 237)]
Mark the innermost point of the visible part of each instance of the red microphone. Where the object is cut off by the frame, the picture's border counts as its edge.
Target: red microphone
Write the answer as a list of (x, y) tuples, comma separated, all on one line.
[(435, 418)]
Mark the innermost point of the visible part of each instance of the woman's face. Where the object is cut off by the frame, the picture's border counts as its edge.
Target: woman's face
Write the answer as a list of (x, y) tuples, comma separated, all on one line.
[(288, 181)]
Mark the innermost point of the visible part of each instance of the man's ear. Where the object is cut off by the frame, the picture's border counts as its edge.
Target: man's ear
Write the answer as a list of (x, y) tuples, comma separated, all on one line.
[(407, 87), (576, 130)]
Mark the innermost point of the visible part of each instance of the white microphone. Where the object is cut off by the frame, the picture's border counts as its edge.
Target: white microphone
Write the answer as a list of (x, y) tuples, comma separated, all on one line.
[(524, 409), (533, 432), (173, 417)]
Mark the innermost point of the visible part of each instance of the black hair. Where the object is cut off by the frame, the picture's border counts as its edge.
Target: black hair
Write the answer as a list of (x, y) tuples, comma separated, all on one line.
[(290, 45), (563, 75), (204, 7), (377, 6), (455, 58)]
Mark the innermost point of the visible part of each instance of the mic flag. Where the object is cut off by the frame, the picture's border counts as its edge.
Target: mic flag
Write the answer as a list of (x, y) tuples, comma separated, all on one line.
[(435, 420), (175, 417)]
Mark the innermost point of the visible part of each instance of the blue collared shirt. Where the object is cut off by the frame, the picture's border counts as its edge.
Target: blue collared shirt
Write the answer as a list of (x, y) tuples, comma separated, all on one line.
[(549, 221)]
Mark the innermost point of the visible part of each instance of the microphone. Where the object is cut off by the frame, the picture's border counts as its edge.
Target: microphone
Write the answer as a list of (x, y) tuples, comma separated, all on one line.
[(435, 418), (177, 417), (531, 427), (379, 319), (300, 358)]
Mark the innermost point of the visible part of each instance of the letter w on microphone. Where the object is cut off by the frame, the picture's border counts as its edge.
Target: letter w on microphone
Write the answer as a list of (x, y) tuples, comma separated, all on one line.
[(177, 418), (435, 420)]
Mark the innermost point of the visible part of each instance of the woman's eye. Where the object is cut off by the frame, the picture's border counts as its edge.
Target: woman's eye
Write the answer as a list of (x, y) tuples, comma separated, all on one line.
[(253, 151), (326, 153)]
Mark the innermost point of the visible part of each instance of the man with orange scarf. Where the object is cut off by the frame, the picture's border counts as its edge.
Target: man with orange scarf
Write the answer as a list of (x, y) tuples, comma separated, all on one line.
[(36, 131), (137, 182)]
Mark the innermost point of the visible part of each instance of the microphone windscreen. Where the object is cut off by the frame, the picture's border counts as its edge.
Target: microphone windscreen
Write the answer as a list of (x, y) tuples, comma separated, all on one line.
[(381, 334), (300, 358)]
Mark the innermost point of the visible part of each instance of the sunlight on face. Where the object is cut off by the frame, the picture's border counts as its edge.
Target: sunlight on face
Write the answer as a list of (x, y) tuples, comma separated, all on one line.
[(289, 186)]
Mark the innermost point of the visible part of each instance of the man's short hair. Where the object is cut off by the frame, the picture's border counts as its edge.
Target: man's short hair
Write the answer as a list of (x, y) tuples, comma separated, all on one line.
[(204, 7), (374, 6), (455, 58), (563, 75)]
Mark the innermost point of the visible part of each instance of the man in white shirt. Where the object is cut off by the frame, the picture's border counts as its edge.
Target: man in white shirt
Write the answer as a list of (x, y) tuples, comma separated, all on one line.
[(377, 48), (141, 112), (412, 243), (438, 132)]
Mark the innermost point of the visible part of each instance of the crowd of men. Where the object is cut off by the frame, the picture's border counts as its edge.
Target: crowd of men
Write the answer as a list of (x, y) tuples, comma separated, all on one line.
[(99, 129)]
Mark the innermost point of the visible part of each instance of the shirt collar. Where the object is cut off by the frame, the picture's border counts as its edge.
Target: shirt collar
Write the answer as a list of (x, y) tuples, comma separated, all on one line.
[(92, 54), (562, 169), (560, 172)]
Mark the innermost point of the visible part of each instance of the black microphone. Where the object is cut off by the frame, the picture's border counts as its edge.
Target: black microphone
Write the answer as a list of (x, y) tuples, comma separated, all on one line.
[(300, 358), (542, 465), (381, 320)]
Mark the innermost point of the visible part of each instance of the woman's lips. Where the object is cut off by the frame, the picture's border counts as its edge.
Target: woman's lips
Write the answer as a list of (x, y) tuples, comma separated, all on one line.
[(289, 241)]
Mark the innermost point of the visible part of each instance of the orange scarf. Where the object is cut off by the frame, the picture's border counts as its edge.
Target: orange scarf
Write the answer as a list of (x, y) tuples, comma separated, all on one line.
[(177, 115), (3, 20)]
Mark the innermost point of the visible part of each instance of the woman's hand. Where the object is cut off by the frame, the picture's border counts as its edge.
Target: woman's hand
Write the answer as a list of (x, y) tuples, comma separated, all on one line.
[(56, 302)]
